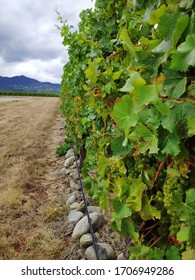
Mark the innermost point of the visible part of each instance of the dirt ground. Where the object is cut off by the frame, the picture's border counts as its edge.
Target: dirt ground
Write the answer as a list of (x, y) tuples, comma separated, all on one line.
[(32, 183)]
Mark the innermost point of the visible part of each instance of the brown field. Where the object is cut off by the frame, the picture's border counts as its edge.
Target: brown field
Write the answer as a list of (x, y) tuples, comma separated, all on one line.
[(31, 180)]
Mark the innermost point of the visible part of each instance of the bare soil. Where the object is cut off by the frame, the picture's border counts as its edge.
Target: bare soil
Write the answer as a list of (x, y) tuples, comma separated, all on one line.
[(32, 182)]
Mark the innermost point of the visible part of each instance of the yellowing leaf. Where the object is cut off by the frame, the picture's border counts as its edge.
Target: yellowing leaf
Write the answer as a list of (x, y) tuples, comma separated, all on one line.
[(136, 190), (148, 212), (124, 36), (155, 15)]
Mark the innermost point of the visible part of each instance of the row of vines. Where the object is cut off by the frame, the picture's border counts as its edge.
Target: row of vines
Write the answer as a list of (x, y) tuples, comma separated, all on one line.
[(128, 97)]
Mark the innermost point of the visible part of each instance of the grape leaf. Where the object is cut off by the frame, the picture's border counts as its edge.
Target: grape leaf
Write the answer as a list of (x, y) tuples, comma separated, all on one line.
[(171, 145), (155, 14), (155, 254), (173, 253), (144, 95), (148, 211), (122, 209), (128, 230), (149, 138), (191, 126), (184, 56), (136, 190), (186, 211), (124, 36), (117, 148), (134, 80), (183, 234), (123, 113), (171, 27), (191, 89), (189, 254), (180, 88), (176, 122)]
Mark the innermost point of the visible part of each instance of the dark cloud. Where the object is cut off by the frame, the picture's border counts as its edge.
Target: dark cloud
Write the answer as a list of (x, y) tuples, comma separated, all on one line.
[(29, 39)]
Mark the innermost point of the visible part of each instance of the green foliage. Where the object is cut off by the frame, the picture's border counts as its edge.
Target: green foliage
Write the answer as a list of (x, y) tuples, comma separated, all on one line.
[(63, 148), (128, 95)]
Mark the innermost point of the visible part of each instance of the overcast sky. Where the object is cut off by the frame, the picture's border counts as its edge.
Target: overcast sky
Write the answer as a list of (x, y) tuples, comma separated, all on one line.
[(30, 43)]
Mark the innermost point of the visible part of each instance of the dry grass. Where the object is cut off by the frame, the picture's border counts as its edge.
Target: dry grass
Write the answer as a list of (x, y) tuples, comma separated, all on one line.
[(29, 133)]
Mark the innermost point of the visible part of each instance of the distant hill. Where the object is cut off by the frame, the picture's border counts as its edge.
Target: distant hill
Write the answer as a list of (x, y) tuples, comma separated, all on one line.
[(25, 84)]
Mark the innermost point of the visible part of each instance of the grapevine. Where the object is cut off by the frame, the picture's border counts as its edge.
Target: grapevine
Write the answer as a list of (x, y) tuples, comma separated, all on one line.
[(128, 99)]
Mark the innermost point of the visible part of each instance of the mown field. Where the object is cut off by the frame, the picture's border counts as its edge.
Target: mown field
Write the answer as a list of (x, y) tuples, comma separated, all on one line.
[(30, 130)]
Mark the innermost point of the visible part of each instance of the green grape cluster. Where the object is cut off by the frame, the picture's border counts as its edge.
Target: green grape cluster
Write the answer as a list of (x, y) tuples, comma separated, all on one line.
[(132, 171), (172, 185)]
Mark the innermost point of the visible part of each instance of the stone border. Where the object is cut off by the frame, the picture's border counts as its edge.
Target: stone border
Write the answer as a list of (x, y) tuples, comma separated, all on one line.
[(78, 218)]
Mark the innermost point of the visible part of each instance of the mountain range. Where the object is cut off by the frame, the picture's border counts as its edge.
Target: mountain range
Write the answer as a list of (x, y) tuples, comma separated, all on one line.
[(26, 84)]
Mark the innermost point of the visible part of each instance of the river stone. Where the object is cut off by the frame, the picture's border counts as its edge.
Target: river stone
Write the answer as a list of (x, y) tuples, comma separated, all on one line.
[(74, 186), (123, 256), (69, 161), (75, 216), (81, 206), (82, 226), (67, 172), (105, 252), (74, 206), (86, 240), (69, 153), (74, 174), (92, 209), (71, 199)]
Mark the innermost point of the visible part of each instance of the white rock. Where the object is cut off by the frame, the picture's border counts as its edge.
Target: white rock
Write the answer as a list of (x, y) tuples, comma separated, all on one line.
[(86, 240), (123, 256), (71, 200), (92, 209), (105, 252), (74, 175), (75, 216), (74, 186), (77, 195), (69, 161), (67, 172), (69, 153), (82, 226), (74, 206), (81, 206)]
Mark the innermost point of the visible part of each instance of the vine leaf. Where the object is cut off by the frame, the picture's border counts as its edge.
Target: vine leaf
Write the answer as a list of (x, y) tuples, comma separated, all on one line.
[(122, 209), (191, 126), (123, 113), (155, 254), (183, 234), (171, 27), (149, 137), (136, 190), (173, 253), (132, 82), (184, 56), (171, 145), (124, 36), (186, 211), (189, 254), (148, 211), (117, 148)]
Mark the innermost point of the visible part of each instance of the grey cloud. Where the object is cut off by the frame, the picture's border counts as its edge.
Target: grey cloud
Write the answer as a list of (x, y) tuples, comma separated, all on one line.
[(28, 31)]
